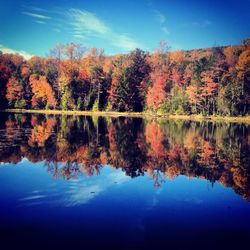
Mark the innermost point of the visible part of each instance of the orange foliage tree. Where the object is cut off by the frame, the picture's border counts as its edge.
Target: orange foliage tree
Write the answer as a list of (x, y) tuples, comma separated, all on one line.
[(42, 92)]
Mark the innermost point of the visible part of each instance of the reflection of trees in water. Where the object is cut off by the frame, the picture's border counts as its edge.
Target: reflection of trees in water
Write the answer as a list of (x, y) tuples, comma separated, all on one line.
[(75, 146), (71, 170), (126, 135)]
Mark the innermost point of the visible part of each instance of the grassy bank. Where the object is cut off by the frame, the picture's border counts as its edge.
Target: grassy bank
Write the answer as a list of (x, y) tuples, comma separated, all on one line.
[(240, 119)]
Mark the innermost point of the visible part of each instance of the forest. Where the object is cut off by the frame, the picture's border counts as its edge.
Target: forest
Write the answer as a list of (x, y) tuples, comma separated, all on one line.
[(212, 81)]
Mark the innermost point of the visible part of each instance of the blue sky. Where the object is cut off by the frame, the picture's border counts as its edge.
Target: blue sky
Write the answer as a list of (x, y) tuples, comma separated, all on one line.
[(33, 27)]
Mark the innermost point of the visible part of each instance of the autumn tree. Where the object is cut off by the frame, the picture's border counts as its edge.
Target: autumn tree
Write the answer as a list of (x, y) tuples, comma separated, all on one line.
[(156, 93), (159, 76), (43, 96), (243, 80), (4, 77), (14, 93), (209, 92)]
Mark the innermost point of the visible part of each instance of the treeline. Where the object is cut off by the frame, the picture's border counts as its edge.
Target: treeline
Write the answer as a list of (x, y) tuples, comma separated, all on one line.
[(71, 147), (214, 81)]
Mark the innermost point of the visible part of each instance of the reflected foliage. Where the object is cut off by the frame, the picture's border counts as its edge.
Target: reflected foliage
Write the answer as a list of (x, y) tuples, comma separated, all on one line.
[(76, 146)]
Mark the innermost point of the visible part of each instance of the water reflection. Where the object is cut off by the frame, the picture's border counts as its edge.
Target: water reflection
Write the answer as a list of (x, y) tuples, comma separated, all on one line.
[(71, 147)]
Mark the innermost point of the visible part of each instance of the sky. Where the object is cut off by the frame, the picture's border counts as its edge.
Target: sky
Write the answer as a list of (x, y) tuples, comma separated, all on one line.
[(119, 26)]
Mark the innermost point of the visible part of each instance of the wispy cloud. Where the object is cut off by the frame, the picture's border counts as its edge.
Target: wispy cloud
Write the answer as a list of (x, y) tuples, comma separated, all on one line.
[(40, 22), (165, 30), (34, 8), (82, 25), (51, 17), (82, 191), (161, 19), (86, 24), (159, 16), (124, 41), (36, 15), (202, 24), (57, 30), (23, 53)]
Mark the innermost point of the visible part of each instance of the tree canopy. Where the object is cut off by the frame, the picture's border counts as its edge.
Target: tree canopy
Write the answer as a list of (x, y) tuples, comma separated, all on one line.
[(213, 81)]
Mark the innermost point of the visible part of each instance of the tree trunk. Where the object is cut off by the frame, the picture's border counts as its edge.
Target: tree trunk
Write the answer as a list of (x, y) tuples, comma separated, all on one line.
[(98, 96)]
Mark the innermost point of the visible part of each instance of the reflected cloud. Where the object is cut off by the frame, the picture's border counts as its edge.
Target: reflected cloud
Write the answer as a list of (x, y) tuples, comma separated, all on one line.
[(82, 190), (82, 194), (33, 197)]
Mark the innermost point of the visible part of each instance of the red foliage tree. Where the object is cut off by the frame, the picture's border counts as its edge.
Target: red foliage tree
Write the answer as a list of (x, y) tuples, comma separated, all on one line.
[(156, 93), (14, 93)]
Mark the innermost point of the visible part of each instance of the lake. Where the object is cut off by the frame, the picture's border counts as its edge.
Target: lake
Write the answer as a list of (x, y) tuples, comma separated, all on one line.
[(123, 183)]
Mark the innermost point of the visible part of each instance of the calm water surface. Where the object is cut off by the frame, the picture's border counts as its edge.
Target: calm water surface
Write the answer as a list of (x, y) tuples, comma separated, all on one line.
[(123, 183)]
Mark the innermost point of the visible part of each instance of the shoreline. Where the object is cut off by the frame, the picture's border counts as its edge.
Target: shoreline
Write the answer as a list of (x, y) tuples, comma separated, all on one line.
[(238, 119)]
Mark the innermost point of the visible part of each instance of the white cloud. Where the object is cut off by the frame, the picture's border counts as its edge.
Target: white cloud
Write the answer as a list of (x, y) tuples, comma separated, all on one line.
[(40, 22), (83, 25), (32, 197), (201, 24), (165, 30), (82, 191), (57, 30), (39, 16), (23, 53), (86, 24), (34, 8), (124, 41), (161, 19)]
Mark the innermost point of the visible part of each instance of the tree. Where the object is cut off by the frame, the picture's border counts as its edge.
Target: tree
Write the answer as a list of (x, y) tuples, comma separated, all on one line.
[(128, 86), (43, 95), (243, 80), (57, 52), (101, 85), (14, 93), (209, 92), (159, 77), (74, 51), (67, 102), (193, 93), (123, 96), (176, 57), (36, 65), (156, 93), (230, 54), (4, 77)]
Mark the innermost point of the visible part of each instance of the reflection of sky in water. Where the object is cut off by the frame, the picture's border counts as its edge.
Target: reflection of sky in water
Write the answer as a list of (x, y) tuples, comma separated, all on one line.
[(82, 191), (31, 184), (115, 204), (42, 188)]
